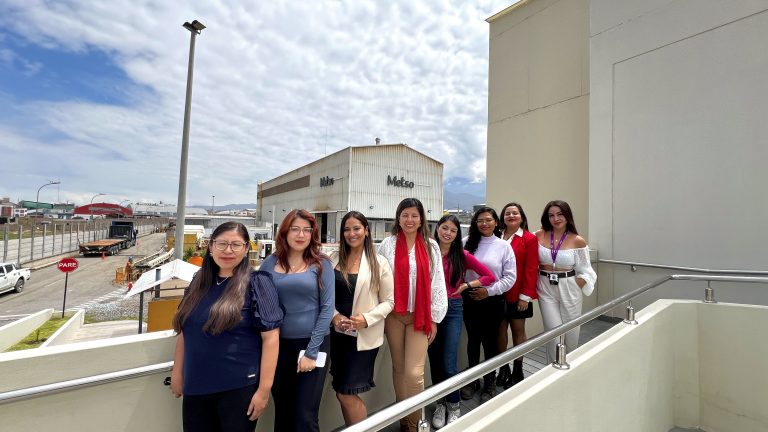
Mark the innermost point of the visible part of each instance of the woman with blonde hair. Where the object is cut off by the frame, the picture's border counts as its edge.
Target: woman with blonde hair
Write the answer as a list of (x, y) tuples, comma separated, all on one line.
[(364, 298)]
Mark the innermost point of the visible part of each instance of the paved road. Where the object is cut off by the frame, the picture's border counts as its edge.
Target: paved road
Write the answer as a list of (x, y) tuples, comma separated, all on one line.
[(91, 283)]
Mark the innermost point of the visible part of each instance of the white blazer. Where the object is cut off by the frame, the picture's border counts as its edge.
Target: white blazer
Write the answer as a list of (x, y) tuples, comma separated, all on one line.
[(374, 306)]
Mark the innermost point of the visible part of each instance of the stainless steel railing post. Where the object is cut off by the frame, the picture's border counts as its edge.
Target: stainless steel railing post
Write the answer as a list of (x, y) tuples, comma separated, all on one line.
[(561, 351), (630, 319), (709, 293)]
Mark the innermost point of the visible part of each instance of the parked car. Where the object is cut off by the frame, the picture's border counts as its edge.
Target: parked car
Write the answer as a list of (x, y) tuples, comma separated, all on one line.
[(12, 277)]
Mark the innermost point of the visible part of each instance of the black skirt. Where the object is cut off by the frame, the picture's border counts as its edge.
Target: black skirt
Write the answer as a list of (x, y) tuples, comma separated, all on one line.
[(352, 370), (512, 312)]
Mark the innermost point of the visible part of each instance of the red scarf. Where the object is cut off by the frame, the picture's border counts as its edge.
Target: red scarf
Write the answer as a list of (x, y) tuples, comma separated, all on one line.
[(422, 314)]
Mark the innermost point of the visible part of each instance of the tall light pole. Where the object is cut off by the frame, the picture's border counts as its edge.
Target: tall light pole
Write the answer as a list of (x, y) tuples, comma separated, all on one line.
[(90, 210), (37, 198), (213, 204), (195, 28)]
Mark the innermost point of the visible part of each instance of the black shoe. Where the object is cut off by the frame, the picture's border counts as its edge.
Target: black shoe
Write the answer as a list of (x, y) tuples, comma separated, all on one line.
[(469, 390), (517, 374), (489, 389), (504, 374)]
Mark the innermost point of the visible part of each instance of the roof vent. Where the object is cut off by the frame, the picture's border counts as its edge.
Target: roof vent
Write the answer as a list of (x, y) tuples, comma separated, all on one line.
[(377, 141)]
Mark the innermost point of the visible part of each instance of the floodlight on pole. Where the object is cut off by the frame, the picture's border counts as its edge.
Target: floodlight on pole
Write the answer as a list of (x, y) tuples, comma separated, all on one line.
[(37, 198), (195, 27)]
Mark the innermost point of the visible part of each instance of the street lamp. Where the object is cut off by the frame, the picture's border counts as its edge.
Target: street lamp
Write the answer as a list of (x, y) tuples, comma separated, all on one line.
[(213, 204), (37, 198), (195, 28), (90, 210)]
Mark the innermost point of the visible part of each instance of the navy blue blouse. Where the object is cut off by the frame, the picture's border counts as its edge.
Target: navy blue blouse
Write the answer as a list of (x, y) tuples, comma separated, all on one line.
[(231, 359)]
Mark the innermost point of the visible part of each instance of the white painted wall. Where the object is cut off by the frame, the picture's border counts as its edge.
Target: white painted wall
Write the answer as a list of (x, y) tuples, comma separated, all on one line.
[(66, 331), (687, 364), (12, 333), (678, 114)]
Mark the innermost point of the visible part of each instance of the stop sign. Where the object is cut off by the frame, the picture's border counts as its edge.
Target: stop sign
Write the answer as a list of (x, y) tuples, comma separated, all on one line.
[(67, 265)]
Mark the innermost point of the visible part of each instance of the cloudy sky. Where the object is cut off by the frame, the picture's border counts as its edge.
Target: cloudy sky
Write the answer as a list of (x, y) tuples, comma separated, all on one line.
[(92, 92)]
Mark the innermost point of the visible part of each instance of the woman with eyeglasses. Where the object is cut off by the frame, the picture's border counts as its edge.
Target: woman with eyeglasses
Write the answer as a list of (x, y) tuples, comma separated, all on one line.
[(364, 298), (420, 300), (484, 306), (304, 280), (519, 299), (565, 272), (444, 352), (227, 329)]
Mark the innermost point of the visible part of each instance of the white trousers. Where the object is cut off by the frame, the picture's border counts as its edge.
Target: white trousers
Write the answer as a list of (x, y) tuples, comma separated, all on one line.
[(559, 304)]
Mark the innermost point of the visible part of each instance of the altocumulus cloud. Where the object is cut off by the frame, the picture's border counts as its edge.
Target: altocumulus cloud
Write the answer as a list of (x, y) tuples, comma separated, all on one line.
[(276, 85)]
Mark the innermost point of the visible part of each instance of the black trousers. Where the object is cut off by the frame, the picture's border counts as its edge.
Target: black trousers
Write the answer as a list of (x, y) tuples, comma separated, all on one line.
[(482, 319), (218, 412), (297, 394)]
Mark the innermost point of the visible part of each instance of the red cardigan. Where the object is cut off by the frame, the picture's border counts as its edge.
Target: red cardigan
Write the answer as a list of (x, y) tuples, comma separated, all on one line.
[(527, 256)]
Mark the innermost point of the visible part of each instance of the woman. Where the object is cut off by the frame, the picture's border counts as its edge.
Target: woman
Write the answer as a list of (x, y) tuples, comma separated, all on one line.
[(364, 297), (304, 281), (227, 344), (444, 351), (420, 300), (484, 306), (565, 272), (519, 305)]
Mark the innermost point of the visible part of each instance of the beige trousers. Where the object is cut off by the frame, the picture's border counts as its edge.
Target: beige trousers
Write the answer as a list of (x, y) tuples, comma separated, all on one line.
[(409, 350)]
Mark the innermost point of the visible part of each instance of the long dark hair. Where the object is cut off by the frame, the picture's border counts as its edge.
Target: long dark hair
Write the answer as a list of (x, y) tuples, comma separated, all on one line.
[(570, 225), (312, 255), (225, 313), (370, 251), (456, 251), (523, 224), (423, 229), (473, 239)]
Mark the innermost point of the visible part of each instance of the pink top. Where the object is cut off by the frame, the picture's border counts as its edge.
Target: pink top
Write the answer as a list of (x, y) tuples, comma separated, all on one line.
[(470, 263)]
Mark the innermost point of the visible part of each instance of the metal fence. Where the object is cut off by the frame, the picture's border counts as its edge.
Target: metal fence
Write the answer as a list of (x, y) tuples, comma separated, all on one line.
[(33, 240)]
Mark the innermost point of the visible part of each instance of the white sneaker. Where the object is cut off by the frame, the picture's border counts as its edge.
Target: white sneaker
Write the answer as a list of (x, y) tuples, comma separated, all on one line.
[(438, 418), (454, 411)]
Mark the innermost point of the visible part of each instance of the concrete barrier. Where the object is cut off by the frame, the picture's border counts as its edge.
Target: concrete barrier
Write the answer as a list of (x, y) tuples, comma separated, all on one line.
[(11, 334), (66, 331)]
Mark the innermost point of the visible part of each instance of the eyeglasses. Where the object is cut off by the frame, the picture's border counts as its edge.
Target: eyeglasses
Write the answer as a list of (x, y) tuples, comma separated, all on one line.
[(297, 229), (221, 245), (485, 221)]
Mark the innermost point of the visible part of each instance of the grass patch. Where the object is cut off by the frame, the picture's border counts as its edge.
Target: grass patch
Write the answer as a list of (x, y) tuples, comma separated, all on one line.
[(37, 337), (90, 319)]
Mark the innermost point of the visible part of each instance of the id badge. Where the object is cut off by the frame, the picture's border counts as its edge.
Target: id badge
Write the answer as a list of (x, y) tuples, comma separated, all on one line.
[(553, 279)]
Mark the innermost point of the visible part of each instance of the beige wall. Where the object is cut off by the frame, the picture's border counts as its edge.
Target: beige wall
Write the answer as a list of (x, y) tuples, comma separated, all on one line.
[(678, 106), (538, 106), (706, 373)]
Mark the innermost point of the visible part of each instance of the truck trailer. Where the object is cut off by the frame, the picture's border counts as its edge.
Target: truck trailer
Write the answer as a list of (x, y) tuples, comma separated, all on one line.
[(122, 235)]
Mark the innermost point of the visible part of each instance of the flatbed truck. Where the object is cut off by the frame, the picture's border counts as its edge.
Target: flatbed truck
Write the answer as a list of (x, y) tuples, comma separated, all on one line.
[(121, 236)]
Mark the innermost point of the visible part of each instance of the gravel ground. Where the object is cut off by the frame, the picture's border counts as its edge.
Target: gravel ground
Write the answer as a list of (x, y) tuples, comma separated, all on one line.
[(122, 309)]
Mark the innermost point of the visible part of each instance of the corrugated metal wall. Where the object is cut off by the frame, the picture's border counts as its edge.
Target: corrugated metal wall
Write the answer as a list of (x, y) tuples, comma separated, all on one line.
[(372, 195), (366, 191)]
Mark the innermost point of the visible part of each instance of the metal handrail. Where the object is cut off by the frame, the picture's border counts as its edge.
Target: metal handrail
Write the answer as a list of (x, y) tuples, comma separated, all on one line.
[(30, 392), (679, 268), (400, 409)]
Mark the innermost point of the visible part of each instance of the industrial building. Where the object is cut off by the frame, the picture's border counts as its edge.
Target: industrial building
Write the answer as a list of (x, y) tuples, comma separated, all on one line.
[(370, 179)]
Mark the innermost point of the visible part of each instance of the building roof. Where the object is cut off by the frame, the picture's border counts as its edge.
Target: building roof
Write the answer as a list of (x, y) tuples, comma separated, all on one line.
[(353, 148), (503, 12)]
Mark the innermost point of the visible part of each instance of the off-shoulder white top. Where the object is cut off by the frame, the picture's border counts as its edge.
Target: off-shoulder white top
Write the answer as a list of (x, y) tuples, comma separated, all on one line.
[(572, 259)]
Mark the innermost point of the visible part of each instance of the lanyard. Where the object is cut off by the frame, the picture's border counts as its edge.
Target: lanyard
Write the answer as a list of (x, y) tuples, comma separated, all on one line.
[(552, 250)]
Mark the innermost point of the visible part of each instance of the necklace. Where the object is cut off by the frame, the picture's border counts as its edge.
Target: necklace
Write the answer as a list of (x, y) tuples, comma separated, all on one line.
[(296, 268), (218, 283)]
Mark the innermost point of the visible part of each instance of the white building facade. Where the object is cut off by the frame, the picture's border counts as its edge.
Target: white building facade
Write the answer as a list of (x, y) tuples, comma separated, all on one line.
[(370, 179)]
